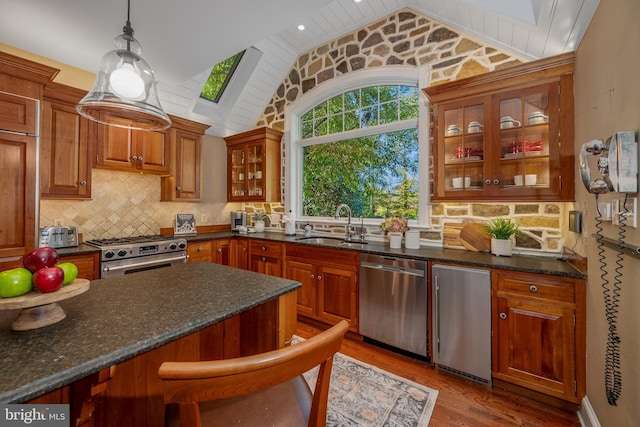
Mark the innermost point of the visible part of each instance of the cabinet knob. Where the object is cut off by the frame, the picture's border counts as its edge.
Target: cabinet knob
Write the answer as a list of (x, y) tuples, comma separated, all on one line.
[(264, 259), (488, 182), (496, 181), (533, 288), (319, 277), (219, 250), (313, 276), (503, 315), (178, 188), (200, 249), (83, 182), (140, 159), (244, 249), (134, 158), (264, 248)]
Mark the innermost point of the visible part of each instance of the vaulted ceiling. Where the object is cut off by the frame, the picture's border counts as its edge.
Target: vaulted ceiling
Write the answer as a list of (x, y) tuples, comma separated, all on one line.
[(182, 40)]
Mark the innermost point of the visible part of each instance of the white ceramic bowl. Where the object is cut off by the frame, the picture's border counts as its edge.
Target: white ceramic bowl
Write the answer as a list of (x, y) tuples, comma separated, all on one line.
[(457, 182), (518, 180), (530, 179)]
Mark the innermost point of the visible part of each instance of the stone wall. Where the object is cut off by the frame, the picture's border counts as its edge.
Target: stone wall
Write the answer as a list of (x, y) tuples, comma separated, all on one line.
[(404, 38), (407, 38)]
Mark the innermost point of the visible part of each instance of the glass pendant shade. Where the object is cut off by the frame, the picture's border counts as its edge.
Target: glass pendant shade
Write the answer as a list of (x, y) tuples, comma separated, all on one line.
[(124, 93)]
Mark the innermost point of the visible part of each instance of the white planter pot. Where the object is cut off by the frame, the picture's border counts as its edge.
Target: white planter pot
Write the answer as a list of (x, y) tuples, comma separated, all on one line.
[(501, 247), (395, 240), (259, 226), (412, 239)]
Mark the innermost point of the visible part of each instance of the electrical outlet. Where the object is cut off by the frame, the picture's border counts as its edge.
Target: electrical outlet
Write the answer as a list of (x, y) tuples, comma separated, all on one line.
[(203, 217), (57, 221), (604, 210), (630, 211)]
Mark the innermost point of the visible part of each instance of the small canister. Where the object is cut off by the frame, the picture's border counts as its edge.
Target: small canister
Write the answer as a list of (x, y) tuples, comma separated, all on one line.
[(307, 230)]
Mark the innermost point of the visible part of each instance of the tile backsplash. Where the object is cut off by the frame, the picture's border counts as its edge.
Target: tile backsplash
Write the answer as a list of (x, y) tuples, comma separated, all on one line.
[(126, 204)]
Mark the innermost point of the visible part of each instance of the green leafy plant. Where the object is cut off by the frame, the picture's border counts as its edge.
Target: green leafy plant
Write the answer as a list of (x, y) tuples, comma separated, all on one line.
[(502, 228), (259, 216)]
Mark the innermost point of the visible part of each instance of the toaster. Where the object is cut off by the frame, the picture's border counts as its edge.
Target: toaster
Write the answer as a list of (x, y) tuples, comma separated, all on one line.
[(59, 236)]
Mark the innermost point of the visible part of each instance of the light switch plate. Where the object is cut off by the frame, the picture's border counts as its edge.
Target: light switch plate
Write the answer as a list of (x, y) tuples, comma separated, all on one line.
[(575, 221)]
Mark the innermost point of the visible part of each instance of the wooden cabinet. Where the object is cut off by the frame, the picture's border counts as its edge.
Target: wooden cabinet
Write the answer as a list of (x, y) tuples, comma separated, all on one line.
[(539, 333), (253, 166), (88, 264), (128, 150), (21, 87), (200, 251), (506, 135), (266, 257), (217, 251), (241, 253), (185, 181), (329, 283), (65, 155)]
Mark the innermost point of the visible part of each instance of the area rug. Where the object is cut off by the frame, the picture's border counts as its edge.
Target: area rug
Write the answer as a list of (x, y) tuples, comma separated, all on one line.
[(364, 395)]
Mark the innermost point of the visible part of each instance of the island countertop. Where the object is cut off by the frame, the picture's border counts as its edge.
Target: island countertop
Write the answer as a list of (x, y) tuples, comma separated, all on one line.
[(121, 317)]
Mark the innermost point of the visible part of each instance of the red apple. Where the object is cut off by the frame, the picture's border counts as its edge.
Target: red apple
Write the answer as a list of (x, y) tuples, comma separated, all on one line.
[(48, 279), (40, 258)]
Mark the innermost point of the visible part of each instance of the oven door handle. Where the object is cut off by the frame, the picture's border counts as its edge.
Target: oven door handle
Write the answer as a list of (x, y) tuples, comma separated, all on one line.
[(142, 264)]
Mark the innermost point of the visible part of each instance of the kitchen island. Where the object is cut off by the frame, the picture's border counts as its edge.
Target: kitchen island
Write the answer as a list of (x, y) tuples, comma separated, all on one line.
[(187, 312)]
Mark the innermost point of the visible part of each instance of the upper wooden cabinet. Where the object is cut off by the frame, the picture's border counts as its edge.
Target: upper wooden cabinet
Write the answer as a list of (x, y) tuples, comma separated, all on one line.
[(253, 166), (18, 114), (65, 148), (130, 150), (506, 135), (185, 181)]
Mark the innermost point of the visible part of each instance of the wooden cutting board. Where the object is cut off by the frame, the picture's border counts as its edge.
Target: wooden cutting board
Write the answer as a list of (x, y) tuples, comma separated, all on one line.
[(474, 237)]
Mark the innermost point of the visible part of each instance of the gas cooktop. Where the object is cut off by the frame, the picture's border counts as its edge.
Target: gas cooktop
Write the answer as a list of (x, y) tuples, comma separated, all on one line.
[(120, 241)]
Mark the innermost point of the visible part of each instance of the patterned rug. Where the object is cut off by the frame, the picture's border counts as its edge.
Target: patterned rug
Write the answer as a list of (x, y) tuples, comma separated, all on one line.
[(364, 395)]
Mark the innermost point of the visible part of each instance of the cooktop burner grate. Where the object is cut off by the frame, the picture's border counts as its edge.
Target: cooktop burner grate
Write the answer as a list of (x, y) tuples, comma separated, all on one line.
[(115, 241)]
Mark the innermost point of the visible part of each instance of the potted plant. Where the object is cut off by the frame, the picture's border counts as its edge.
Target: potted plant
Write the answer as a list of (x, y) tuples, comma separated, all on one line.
[(502, 230), (394, 227), (258, 220)]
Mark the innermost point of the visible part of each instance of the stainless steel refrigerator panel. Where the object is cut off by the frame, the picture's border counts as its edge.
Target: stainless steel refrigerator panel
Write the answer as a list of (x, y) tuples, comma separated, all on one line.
[(462, 320)]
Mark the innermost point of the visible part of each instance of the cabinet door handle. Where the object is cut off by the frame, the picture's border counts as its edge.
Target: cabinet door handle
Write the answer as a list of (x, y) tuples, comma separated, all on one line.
[(134, 158), (496, 181), (219, 250), (503, 315), (313, 276), (140, 159), (533, 288), (264, 259), (244, 249), (319, 277), (264, 248), (178, 188), (488, 182), (200, 249), (83, 182)]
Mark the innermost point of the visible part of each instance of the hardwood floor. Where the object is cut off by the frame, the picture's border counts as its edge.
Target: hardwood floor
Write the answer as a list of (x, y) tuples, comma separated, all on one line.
[(460, 402)]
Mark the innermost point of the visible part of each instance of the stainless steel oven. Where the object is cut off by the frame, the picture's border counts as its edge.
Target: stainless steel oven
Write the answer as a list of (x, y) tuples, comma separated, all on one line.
[(128, 255)]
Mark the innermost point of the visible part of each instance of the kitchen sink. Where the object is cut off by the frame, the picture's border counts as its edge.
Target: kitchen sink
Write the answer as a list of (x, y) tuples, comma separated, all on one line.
[(331, 241)]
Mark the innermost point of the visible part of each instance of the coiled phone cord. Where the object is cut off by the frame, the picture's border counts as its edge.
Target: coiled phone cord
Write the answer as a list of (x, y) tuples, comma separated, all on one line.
[(612, 374)]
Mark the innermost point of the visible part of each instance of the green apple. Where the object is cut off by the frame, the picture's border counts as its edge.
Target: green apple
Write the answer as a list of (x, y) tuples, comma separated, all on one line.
[(70, 272), (15, 282)]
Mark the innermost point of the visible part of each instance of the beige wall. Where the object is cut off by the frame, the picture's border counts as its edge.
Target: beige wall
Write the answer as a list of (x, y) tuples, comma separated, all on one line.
[(607, 99)]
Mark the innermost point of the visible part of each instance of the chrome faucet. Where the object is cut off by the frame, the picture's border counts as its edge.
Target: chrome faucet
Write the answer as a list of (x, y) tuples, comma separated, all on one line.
[(348, 235)]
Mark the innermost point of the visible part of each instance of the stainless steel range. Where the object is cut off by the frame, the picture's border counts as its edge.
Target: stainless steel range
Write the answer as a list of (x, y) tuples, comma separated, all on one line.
[(120, 256)]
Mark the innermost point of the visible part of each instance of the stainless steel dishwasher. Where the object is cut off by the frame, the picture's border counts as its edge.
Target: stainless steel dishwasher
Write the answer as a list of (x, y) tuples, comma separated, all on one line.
[(462, 321), (393, 302)]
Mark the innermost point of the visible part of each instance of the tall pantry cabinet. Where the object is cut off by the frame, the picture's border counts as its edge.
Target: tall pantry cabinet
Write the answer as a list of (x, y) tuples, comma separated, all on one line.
[(21, 90)]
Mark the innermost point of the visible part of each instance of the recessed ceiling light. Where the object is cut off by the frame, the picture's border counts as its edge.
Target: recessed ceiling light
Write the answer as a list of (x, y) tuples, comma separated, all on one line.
[(301, 27), (357, 1)]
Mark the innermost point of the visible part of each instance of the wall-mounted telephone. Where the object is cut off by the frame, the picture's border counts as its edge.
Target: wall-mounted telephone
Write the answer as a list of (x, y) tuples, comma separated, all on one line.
[(618, 164)]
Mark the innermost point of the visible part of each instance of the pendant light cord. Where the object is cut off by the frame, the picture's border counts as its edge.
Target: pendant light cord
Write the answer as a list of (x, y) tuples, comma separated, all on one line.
[(128, 29)]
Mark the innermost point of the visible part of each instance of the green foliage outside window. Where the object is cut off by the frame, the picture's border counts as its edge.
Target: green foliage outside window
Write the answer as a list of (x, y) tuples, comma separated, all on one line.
[(377, 176), (219, 78)]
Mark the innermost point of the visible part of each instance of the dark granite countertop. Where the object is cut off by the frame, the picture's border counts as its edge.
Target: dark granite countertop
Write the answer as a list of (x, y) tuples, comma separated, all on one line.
[(523, 263), (121, 317)]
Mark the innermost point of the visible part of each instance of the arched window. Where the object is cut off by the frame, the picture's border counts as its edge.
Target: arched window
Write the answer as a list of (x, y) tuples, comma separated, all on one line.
[(361, 147)]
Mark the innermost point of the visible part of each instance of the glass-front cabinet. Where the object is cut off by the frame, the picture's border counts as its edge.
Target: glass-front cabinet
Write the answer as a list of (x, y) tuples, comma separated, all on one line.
[(253, 166), (507, 135)]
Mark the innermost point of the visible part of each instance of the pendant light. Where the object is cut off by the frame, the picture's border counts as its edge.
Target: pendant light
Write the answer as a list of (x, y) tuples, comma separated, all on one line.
[(124, 93)]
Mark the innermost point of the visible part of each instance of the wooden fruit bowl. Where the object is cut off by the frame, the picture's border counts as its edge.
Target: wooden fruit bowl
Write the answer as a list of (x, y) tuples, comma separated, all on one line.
[(40, 309)]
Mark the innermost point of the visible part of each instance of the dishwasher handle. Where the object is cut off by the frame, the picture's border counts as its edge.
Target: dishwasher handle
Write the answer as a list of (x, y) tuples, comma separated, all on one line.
[(399, 270)]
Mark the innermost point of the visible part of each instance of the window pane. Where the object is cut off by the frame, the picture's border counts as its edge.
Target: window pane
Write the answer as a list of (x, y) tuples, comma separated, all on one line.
[(307, 129), (389, 112), (335, 105), (369, 96), (320, 110), (376, 176), (352, 100), (320, 127), (219, 78), (369, 117), (335, 123), (307, 116), (351, 121)]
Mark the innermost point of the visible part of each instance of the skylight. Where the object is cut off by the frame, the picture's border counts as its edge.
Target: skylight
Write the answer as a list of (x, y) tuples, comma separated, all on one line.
[(219, 78)]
